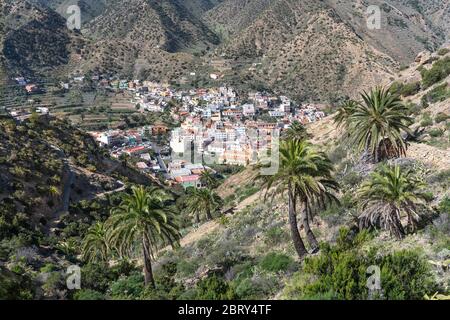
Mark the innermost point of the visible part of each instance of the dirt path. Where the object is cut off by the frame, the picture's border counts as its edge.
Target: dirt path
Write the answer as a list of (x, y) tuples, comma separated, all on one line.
[(437, 158)]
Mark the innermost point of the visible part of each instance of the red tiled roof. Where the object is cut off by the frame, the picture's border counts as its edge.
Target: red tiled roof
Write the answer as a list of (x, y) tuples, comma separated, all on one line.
[(190, 178), (135, 149)]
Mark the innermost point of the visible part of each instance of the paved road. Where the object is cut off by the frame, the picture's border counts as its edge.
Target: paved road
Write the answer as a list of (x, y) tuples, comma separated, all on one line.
[(160, 160), (120, 189)]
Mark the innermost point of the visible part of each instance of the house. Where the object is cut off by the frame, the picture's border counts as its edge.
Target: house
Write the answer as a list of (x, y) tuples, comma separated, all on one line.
[(276, 113), (189, 181), (248, 110), (135, 150), (110, 138), (21, 81), (232, 113), (159, 129), (142, 166), (31, 88)]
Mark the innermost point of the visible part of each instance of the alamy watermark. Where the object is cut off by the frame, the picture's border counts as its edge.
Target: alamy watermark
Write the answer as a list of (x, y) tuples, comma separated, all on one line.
[(73, 13), (373, 14), (73, 280)]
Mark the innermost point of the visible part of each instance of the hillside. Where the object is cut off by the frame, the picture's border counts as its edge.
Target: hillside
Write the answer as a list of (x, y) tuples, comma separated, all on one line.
[(312, 50), (308, 48), (251, 250), (36, 41)]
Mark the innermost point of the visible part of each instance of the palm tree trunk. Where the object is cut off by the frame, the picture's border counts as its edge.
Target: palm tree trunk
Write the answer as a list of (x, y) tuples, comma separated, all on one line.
[(395, 225), (309, 234), (197, 217), (148, 272), (208, 214), (296, 238)]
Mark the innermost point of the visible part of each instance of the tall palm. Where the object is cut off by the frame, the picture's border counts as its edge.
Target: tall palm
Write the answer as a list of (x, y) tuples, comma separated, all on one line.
[(387, 196), (208, 179), (143, 217), (203, 201), (376, 125), (305, 174), (95, 247), (296, 131)]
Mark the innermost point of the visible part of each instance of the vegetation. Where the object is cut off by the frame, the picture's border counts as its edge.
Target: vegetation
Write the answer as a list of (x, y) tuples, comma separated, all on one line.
[(342, 272), (203, 201), (439, 71), (145, 217), (388, 195), (305, 174), (376, 124)]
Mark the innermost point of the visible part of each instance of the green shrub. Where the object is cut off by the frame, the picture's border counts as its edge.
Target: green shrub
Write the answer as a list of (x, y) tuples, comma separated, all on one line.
[(275, 235), (443, 51), (444, 205), (438, 94), (436, 132), (426, 120), (186, 268), (259, 286), (214, 288), (441, 117), (341, 272), (275, 262), (405, 90), (88, 294), (439, 71), (130, 287)]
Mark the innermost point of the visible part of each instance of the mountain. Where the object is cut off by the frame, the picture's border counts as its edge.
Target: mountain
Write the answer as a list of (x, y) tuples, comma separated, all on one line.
[(323, 49), (313, 50), (35, 41)]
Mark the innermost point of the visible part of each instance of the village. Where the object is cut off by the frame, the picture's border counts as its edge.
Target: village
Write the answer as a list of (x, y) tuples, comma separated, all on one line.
[(216, 126)]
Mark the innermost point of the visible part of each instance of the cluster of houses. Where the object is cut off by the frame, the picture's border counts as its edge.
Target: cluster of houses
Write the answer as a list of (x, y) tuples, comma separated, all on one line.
[(224, 130), (186, 174), (132, 143)]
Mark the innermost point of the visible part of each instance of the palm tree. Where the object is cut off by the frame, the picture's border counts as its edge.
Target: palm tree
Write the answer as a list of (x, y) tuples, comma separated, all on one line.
[(143, 217), (344, 112), (376, 124), (54, 191), (203, 201), (95, 247), (305, 174), (124, 157), (208, 179), (387, 196), (296, 131)]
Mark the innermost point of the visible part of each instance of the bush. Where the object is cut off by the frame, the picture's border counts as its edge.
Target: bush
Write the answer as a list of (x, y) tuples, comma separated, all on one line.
[(341, 272), (443, 51), (275, 262), (438, 94), (214, 288), (130, 287), (256, 287), (426, 120), (439, 71), (441, 117), (405, 90), (436, 132), (88, 294), (444, 205), (275, 235)]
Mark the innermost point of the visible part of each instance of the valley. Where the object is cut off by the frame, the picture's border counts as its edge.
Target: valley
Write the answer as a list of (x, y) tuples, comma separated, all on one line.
[(225, 150)]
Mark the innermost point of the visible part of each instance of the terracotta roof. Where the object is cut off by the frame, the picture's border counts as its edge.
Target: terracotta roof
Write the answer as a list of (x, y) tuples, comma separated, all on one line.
[(190, 178)]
